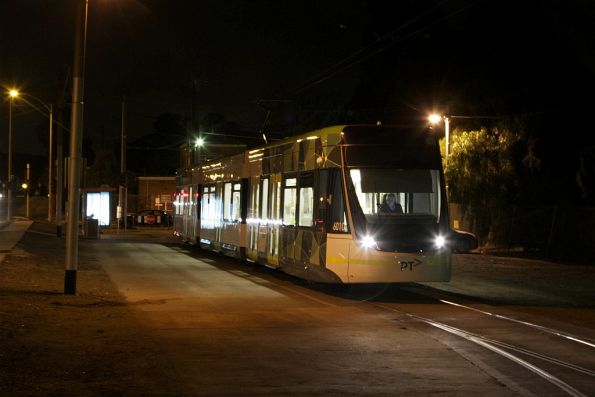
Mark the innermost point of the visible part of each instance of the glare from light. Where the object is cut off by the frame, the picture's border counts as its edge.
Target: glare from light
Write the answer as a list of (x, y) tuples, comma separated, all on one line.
[(199, 142), (434, 118), (13, 93), (440, 242), (24, 186), (368, 242)]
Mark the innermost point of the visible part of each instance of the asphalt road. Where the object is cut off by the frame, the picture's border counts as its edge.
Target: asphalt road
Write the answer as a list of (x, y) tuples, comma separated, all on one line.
[(231, 328), (157, 317)]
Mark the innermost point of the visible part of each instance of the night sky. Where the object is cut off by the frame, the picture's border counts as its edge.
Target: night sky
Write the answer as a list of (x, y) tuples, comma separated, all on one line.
[(313, 62)]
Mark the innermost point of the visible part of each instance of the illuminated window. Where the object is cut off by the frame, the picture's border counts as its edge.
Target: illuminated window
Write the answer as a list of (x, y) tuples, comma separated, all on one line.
[(265, 199), (192, 204), (276, 215), (253, 214), (227, 202), (289, 201), (306, 206), (178, 203), (235, 201), (209, 207)]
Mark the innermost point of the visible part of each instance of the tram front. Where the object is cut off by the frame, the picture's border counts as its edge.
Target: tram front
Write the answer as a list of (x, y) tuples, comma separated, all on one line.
[(397, 205)]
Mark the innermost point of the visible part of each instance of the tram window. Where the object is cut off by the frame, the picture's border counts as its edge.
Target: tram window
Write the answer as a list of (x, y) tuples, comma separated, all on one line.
[(254, 201), (227, 202), (191, 202), (236, 200), (337, 218), (265, 200), (275, 201), (208, 207), (306, 206), (276, 214), (178, 203), (289, 201), (416, 191)]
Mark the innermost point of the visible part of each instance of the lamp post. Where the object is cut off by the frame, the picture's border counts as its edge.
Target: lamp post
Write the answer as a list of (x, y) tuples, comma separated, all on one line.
[(26, 186), (435, 119), (49, 109), (76, 141), (11, 94), (198, 144)]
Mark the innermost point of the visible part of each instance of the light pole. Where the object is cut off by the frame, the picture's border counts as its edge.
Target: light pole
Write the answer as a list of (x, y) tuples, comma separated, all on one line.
[(200, 142), (11, 94), (76, 141), (123, 190), (435, 119), (27, 187), (49, 109)]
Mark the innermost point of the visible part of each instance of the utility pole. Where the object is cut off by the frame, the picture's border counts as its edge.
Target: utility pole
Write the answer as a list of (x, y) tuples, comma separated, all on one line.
[(50, 165), (9, 190), (27, 189), (76, 148), (59, 175), (123, 190)]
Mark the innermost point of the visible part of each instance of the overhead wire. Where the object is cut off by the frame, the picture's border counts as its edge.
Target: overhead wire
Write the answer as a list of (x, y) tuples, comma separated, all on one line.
[(321, 76), (325, 76)]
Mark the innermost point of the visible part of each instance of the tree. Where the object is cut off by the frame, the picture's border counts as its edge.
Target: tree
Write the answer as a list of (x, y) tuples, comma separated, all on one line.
[(481, 174), (104, 169), (585, 176), (158, 153)]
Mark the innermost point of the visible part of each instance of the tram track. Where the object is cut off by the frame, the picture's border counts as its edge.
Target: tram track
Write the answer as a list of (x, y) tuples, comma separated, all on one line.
[(552, 355), (560, 373), (561, 334)]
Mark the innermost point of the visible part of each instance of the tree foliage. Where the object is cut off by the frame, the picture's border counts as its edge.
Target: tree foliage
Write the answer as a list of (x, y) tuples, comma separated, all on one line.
[(585, 176), (481, 173)]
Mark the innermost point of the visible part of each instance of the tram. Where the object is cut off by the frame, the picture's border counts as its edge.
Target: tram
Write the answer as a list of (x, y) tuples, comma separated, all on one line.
[(315, 206)]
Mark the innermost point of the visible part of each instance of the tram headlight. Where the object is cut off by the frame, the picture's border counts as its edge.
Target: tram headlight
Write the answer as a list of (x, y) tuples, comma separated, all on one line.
[(368, 242), (439, 242)]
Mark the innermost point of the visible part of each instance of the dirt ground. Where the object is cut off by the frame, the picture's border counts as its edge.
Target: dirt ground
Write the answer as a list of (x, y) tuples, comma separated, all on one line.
[(57, 345)]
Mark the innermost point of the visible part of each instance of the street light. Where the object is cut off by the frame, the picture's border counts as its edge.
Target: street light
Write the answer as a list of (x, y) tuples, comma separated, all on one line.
[(435, 119), (11, 95), (198, 144), (49, 109), (25, 187), (76, 142)]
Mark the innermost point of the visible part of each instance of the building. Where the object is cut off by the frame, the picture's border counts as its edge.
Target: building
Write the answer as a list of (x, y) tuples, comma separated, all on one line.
[(155, 192)]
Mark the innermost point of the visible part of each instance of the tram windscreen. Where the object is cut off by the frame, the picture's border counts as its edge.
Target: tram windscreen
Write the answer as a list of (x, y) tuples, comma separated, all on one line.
[(384, 195), (398, 208)]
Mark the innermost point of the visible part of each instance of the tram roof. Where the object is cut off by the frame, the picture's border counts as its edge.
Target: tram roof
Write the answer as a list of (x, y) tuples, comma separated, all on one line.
[(335, 129)]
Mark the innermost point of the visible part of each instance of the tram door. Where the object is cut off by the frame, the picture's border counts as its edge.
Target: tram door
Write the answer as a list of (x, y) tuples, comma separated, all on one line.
[(274, 219), (263, 217), (288, 230), (305, 244), (253, 219), (187, 214)]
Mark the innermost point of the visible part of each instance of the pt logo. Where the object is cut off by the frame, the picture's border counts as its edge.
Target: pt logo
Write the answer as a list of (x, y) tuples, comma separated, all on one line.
[(409, 264)]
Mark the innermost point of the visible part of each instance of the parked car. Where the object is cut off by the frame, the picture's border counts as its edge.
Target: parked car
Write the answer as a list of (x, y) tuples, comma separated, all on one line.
[(463, 242), (153, 218)]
